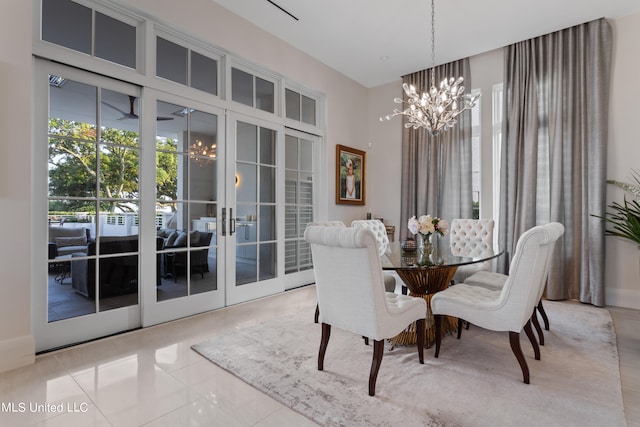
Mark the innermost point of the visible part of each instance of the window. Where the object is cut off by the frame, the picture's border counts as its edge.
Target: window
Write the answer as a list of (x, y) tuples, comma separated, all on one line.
[(67, 24), (204, 73), (300, 107), (298, 202), (72, 25), (496, 102), (252, 90), (182, 65), (475, 157), (171, 61), (115, 41)]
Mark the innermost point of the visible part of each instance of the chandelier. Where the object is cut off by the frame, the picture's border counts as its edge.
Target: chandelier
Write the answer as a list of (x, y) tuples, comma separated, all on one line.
[(201, 153), (438, 108)]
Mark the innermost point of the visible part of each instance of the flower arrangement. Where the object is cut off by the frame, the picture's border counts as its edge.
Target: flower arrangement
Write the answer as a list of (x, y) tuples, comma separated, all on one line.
[(427, 225), (424, 227)]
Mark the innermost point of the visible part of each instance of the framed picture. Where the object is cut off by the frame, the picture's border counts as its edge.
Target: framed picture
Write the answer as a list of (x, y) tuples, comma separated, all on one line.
[(350, 176)]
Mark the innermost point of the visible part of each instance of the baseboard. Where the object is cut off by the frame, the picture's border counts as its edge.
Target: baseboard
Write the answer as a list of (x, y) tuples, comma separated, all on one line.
[(624, 298), (17, 352)]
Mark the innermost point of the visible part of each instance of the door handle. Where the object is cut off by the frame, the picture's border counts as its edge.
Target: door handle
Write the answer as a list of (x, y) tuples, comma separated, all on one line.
[(232, 223), (224, 221)]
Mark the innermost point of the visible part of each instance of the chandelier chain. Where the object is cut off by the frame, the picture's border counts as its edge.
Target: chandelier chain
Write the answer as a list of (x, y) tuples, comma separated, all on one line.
[(433, 43), (437, 108)]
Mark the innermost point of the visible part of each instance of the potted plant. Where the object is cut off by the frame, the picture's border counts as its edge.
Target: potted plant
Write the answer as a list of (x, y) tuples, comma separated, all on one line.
[(625, 217)]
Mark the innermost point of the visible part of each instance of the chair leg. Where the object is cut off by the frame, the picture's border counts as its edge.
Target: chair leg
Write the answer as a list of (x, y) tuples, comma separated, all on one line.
[(514, 340), (536, 324), (543, 313), (438, 321), (378, 352), (532, 338), (420, 330), (317, 315), (326, 333), (460, 322)]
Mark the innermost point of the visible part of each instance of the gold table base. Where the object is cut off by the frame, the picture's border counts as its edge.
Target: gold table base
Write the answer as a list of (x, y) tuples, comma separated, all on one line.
[(424, 283)]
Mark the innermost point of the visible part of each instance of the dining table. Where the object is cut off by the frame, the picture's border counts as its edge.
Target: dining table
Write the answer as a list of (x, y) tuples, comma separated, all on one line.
[(424, 274)]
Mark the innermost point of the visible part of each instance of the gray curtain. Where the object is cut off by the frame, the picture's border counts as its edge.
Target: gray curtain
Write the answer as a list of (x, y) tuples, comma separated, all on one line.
[(554, 146), (436, 171)]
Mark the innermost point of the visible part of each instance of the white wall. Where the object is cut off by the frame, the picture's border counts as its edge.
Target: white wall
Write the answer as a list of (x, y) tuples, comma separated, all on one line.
[(622, 269), (385, 156), (16, 343)]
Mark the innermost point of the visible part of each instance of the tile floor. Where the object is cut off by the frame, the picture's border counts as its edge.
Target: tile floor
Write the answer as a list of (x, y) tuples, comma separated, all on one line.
[(151, 377), (627, 324)]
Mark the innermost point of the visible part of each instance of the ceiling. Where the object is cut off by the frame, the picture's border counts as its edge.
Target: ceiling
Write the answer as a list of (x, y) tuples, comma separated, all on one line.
[(376, 41)]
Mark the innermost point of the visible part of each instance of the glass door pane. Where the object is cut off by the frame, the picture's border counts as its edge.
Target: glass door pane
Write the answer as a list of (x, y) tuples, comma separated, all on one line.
[(187, 182), (186, 200), (256, 225), (247, 203), (298, 201), (255, 220), (93, 201)]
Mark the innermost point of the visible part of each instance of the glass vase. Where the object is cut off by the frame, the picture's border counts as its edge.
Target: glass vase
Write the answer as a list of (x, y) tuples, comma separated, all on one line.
[(425, 248)]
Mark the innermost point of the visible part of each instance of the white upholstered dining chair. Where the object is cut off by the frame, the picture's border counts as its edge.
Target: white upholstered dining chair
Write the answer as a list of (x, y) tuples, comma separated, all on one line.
[(333, 223), (382, 241), (349, 286), (495, 281), (510, 308), (471, 238)]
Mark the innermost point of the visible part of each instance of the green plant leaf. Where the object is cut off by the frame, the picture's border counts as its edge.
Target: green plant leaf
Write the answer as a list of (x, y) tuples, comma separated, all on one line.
[(625, 220)]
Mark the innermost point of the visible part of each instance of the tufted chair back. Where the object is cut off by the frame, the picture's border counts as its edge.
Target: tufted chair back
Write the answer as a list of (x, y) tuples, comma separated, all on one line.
[(379, 231), (471, 237), (349, 286), (335, 223), (326, 224)]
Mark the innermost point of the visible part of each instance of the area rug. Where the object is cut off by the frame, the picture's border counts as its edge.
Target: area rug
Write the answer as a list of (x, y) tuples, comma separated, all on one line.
[(476, 381)]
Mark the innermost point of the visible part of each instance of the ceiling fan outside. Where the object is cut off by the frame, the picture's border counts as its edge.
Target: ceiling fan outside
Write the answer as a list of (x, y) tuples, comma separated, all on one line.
[(131, 113)]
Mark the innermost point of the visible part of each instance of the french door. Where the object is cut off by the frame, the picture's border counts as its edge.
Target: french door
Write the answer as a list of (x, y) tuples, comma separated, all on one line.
[(230, 184), (151, 207), (186, 183), (86, 233), (255, 249)]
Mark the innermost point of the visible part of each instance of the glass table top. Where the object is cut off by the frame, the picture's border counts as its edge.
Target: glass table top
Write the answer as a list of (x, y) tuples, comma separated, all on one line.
[(442, 256)]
